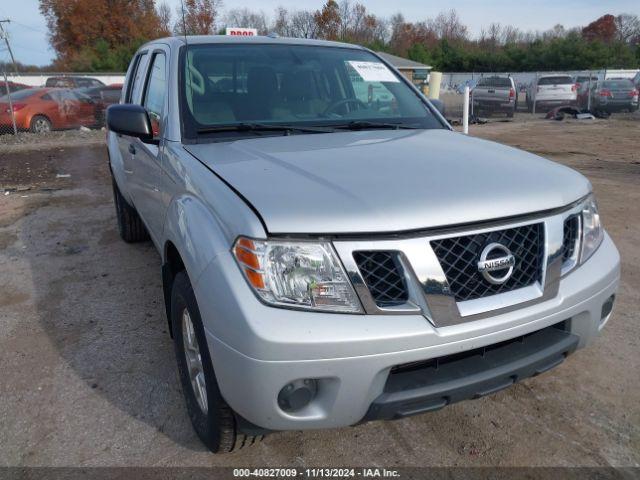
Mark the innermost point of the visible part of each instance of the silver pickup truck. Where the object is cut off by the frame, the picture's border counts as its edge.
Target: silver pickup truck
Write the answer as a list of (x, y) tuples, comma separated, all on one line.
[(332, 252), (495, 94)]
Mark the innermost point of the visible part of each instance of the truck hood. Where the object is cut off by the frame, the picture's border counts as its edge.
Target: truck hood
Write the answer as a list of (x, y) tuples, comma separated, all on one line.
[(387, 180)]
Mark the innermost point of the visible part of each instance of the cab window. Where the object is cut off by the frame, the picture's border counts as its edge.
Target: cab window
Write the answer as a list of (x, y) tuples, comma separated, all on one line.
[(135, 82), (155, 91)]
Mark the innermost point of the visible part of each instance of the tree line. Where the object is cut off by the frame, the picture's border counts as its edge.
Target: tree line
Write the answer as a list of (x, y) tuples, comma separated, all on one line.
[(102, 35)]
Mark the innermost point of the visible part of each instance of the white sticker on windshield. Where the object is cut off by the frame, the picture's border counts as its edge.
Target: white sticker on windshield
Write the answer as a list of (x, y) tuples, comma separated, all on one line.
[(373, 71)]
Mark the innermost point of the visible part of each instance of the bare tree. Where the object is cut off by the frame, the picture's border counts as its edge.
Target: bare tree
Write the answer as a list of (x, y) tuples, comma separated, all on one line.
[(198, 18), (511, 34), (345, 11), (245, 18), (164, 16), (282, 22), (493, 36), (448, 26), (303, 24), (628, 28)]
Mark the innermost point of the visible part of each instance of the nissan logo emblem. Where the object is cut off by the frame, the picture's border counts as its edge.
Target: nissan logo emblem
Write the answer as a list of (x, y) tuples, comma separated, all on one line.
[(496, 258)]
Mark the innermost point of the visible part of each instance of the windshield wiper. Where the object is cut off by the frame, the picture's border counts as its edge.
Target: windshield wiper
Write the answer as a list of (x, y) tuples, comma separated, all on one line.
[(263, 127), (364, 124)]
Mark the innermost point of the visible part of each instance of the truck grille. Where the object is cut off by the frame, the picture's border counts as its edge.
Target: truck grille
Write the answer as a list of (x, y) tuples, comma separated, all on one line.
[(383, 275), (570, 237), (459, 256)]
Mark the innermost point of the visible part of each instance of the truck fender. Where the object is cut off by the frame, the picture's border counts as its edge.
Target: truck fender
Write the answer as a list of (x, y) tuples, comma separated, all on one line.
[(196, 234)]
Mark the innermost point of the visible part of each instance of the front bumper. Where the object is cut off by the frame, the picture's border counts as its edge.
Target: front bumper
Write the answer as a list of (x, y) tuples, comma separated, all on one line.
[(257, 349)]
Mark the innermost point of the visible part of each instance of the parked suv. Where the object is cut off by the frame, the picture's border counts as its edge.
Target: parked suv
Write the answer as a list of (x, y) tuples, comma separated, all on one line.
[(551, 91), (328, 259), (495, 94)]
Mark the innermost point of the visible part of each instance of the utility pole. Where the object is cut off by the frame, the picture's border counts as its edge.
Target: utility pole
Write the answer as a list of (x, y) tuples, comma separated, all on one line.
[(5, 37)]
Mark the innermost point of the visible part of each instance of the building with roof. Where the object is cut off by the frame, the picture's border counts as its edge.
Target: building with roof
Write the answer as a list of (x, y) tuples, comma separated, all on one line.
[(416, 72)]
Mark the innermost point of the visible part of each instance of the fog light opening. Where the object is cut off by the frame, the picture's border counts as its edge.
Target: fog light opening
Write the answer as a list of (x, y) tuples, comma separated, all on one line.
[(607, 307), (298, 394)]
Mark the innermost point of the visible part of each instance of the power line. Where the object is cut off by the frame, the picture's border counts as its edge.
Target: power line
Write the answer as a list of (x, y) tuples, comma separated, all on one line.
[(29, 27), (29, 49)]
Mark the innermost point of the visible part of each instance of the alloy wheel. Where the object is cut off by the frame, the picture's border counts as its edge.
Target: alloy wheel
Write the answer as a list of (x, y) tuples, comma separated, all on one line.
[(194, 361)]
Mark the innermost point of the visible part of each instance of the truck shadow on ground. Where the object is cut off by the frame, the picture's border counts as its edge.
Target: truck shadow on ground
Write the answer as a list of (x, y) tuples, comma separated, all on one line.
[(100, 302)]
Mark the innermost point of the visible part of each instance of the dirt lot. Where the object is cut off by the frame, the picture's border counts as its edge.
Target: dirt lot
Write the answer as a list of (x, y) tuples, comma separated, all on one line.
[(88, 373)]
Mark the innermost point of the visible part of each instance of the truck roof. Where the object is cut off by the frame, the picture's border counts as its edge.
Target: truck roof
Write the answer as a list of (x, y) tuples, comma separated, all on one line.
[(258, 40)]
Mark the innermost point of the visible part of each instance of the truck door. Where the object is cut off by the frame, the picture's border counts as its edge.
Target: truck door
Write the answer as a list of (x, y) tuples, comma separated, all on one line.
[(146, 158), (132, 94)]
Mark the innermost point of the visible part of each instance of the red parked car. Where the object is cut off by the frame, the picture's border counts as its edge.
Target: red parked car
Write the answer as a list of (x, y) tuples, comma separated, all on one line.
[(41, 110), (103, 96)]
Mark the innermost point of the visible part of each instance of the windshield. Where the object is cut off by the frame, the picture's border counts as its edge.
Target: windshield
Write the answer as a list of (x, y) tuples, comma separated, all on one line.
[(293, 85)]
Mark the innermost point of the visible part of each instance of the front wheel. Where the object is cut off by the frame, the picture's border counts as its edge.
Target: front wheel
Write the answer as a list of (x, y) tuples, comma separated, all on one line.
[(40, 124), (211, 417)]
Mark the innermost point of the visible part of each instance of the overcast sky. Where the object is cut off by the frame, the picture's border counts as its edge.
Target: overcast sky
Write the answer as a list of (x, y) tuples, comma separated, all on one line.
[(29, 42)]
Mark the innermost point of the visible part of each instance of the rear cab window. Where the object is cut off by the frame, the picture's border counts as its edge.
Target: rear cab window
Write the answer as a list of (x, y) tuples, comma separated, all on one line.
[(134, 83), (500, 82), (559, 80)]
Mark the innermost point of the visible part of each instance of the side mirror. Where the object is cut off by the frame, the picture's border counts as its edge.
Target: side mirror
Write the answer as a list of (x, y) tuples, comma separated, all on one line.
[(129, 119), (439, 104)]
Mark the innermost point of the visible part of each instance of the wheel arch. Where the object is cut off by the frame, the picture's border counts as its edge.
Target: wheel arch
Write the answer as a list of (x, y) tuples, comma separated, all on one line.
[(171, 266), (40, 114), (193, 237)]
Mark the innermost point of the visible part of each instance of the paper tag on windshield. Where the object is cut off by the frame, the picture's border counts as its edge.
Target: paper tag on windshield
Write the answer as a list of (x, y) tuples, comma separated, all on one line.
[(373, 71)]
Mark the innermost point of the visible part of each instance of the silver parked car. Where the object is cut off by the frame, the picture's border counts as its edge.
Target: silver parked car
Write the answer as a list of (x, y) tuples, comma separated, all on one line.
[(611, 96), (330, 258)]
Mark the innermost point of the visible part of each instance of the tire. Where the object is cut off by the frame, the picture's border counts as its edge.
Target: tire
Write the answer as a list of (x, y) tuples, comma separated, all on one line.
[(214, 424), (40, 124), (130, 224), (510, 113)]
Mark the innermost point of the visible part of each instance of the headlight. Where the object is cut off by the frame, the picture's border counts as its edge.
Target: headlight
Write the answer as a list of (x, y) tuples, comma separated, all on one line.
[(304, 275), (592, 232)]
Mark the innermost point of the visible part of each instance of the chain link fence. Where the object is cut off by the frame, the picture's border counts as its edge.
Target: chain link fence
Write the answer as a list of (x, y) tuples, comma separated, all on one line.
[(506, 95), (41, 103)]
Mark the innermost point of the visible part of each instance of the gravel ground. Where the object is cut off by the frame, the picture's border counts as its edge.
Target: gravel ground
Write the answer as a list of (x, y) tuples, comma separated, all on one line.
[(26, 141), (88, 373)]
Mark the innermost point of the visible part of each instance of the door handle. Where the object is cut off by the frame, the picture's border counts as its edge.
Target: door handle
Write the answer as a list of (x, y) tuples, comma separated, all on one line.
[(132, 149)]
